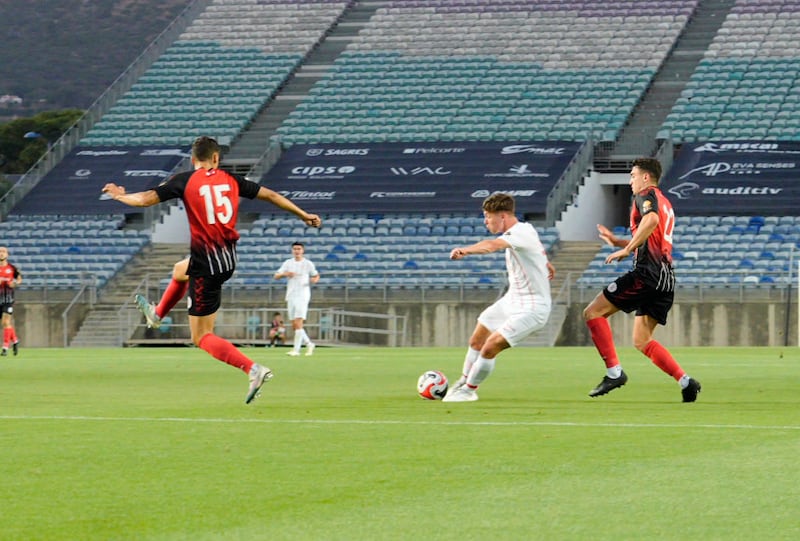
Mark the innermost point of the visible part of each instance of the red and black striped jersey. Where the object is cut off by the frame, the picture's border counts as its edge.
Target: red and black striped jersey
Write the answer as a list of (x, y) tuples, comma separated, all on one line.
[(8, 272), (653, 259), (211, 198)]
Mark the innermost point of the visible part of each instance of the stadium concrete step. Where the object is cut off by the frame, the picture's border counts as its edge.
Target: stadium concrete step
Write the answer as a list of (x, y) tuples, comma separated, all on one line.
[(570, 260), (253, 142), (548, 336), (114, 318), (638, 137), (101, 328)]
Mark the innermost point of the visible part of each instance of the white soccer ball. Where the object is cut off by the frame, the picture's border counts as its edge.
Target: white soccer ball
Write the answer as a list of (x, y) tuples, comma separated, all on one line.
[(432, 385)]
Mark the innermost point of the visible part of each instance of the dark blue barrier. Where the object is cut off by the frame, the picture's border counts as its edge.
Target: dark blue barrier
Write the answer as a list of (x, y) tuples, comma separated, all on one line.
[(73, 186), (418, 177), (735, 177)]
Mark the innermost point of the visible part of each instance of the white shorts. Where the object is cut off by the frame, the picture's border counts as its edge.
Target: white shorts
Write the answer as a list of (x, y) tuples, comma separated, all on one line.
[(513, 323), (297, 307)]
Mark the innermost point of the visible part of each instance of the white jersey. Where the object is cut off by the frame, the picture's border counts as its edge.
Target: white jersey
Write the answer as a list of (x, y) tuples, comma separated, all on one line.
[(526, 263), (299, 285)]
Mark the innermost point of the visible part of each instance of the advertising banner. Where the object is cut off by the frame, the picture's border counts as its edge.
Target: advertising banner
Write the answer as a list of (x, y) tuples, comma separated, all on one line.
[(735, 177), (73, 186), (418, 177)]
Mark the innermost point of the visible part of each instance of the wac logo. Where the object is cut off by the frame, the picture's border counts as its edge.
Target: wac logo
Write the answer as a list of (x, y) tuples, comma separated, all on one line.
[(402, 171), (710, 170)]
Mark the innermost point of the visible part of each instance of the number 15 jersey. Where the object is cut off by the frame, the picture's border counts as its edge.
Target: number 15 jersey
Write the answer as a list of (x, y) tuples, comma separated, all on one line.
[(211, 198)]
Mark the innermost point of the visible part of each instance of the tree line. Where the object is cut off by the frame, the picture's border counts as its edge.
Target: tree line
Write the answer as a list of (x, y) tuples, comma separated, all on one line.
[(24, 140)]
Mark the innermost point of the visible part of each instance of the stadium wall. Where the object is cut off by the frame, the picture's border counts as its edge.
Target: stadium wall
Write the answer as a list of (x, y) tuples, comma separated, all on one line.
[(450, 324), (699, 324)]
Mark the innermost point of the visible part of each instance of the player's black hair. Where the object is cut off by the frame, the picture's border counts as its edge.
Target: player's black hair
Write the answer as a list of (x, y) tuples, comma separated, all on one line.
[(649, 165), (204, 148)]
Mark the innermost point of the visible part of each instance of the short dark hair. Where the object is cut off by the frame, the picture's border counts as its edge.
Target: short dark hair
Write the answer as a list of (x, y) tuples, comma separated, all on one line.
[(498, 202), (204, 148), (298, 243), (649, 165)]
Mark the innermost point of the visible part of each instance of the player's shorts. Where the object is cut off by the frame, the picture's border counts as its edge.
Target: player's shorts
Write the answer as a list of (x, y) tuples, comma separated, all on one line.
[(513, 323), (297, 306), (205, 293), (630, 292), (7, 308)]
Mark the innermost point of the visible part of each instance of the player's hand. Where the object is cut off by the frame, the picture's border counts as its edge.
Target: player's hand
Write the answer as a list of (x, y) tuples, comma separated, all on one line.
[(551, 271), (313, 220), (606, 234), (457, 253), (619, 255), (113, 191)]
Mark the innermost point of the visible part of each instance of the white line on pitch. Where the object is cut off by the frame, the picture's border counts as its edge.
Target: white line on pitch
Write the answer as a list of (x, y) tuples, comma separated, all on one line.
[(390, 422)]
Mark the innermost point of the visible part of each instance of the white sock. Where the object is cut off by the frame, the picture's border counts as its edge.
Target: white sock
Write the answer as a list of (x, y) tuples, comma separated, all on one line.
[(298, 339), (615, 371), (480, 371), (305, 339), (469, 360), (684, 381)]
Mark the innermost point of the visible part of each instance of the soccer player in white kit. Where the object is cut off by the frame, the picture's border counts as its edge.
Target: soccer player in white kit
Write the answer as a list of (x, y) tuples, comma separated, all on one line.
[(300, 274), (523, 309)]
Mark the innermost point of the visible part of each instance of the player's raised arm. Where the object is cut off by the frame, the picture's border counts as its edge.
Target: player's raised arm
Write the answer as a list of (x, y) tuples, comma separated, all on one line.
[(147, 198), (265, 194)]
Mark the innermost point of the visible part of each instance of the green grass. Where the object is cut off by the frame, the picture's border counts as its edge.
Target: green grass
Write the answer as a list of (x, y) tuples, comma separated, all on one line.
[(157, 444)]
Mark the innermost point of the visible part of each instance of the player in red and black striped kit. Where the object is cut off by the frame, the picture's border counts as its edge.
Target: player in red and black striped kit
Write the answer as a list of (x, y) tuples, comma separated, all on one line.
[(211, 197), (649, 288), (10, 278)]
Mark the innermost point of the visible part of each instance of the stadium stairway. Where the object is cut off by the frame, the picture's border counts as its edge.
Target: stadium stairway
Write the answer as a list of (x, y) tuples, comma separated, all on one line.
[(100, 328), (252, 143), (639, 134), (570, 259)]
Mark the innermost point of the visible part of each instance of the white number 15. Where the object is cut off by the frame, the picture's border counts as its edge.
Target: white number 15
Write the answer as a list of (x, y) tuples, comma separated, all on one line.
[(218, 205)]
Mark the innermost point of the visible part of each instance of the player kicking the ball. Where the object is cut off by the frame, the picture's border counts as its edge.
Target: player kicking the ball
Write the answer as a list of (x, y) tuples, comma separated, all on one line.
[(524, 308), (211, 197)]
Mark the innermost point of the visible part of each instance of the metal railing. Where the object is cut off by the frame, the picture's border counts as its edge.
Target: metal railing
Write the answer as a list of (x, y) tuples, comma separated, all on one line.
[(567, 186), (88, 294)]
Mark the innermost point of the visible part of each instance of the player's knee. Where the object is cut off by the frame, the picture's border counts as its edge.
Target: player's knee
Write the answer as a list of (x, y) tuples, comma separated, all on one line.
[(475, 343), (640, 342)]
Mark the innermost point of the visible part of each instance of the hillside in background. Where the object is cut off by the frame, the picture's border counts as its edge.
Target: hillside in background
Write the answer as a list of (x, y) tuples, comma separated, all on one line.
[(65, 54)]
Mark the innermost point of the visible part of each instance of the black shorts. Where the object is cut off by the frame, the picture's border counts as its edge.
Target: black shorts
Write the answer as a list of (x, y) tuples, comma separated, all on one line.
[(7, 308), (630, 292), (205, 293)]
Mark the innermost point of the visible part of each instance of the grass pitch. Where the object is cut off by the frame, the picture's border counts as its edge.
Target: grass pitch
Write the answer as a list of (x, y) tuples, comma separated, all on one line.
[(157, 444)]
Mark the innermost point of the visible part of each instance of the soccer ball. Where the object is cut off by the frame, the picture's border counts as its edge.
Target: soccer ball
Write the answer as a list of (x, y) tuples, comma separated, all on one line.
[(432, 385)]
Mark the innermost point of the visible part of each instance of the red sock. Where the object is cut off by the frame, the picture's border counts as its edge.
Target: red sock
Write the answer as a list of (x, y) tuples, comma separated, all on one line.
[(14, 338), (603, 340), (221, 349), (6, 336), (175, 292), (663, 359)]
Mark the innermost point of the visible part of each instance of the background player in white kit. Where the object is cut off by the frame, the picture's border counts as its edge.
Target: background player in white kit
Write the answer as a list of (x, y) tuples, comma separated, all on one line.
[(523, 309), (300, 274)]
